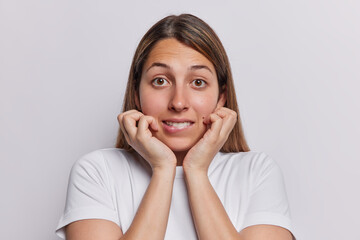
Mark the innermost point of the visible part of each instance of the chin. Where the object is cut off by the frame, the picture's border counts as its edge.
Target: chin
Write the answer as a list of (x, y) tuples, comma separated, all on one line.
[(179, 148), (180, 145)]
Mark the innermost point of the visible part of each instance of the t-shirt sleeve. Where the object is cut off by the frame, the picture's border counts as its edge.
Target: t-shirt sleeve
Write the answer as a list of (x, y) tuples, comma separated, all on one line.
[(89, 193), (268, 202)]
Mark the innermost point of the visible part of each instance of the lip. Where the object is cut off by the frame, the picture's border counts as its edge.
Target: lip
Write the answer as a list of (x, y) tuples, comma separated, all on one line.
[(172, 129)]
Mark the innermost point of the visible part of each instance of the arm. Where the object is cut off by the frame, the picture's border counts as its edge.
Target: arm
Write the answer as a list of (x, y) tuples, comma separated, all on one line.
[(210, 218), (151, 217), (149, 222)]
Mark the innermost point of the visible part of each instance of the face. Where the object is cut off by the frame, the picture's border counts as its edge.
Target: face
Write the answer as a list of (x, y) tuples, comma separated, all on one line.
[(178, 88)]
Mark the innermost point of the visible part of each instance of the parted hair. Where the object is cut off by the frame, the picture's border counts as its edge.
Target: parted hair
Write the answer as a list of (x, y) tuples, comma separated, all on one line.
[(195, 33)]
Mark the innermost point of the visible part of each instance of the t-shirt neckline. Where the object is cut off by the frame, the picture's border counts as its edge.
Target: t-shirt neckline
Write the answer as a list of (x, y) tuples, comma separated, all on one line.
[(180, 171)]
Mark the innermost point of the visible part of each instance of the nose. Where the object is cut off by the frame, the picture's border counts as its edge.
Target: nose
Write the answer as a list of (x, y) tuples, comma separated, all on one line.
[(178, 101)]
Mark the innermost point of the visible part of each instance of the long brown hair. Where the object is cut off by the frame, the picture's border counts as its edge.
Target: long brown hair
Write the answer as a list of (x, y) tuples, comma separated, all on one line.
[(195, 33)]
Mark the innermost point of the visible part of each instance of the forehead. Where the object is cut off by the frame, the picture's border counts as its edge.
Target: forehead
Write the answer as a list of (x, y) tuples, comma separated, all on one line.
[(172, 51)]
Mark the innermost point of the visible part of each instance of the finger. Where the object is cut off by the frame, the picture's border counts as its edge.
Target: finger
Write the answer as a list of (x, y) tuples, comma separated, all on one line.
[(221, 111), (217, 108), (216, 125), (127, 112), (121, 116), (154, 124), (226, 111), (229, 119), (129, 123), (150, 121), (122, 128), (227, 114), (144, 123), (126, 135), (207, 120)]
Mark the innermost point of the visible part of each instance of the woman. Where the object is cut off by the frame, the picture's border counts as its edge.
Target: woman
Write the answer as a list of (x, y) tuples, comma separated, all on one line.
[(182, 168)]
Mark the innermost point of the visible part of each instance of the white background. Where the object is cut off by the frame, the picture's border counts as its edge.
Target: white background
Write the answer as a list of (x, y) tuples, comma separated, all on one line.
[(63, 70)]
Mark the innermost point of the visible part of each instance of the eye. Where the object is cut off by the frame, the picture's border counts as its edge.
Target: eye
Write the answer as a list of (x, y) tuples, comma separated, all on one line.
[(159, 82), (199, 83)]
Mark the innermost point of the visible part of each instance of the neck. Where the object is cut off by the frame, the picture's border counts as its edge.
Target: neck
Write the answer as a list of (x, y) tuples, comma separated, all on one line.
[(180, 157)]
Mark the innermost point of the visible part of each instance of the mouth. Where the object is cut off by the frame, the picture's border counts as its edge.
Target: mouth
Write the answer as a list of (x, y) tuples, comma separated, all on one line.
[(175, 125), (178, 125)]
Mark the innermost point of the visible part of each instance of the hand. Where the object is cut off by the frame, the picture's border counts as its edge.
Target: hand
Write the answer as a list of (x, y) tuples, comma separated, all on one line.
[(220, 123), (140, 137)]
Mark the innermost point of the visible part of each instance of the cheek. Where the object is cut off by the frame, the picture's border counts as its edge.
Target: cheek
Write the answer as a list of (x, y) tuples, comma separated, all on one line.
[(204, 105), (151, 103)]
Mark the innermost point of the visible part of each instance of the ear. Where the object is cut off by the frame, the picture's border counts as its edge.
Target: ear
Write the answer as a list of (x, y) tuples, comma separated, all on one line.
[(222, 100)]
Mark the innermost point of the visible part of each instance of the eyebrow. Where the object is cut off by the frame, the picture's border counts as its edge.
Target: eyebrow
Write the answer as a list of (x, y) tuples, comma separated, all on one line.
[(158, 64), (192, 68), (196, 67)]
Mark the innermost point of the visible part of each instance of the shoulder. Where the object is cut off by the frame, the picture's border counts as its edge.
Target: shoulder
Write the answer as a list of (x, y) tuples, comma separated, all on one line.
[(251, 164), (97, 157), (105, 155), (100, 161), (251, 160)]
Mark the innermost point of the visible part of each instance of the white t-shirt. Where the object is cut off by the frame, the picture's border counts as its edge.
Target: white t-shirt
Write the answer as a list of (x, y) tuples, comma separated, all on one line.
[(110, 184)]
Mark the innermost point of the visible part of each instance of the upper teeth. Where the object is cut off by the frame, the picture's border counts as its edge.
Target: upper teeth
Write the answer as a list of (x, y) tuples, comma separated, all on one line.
[(178, 124)]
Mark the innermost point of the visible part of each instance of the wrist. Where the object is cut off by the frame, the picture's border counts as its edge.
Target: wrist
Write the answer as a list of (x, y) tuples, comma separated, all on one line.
[(164, 170), (191, 172), (163, 164)]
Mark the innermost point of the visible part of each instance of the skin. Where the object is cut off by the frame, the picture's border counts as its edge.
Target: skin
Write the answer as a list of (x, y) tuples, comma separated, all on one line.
[(177, 83)]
